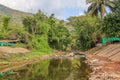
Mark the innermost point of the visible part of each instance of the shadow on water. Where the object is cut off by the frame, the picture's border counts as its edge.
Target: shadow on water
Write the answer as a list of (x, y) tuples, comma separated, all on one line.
[(53, 69)]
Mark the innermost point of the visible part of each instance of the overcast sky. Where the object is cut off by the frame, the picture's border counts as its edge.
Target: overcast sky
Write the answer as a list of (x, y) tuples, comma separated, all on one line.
[(61, 8)]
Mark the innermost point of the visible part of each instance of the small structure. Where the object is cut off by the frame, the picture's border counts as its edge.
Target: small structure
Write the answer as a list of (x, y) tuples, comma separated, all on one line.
[(105, 40), (7, 42)]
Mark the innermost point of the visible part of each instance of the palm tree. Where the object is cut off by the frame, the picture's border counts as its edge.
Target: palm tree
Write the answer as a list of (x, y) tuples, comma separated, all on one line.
[(98, 7)]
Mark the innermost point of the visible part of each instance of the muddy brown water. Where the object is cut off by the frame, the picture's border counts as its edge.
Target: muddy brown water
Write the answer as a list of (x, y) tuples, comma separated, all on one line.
[(52, 69)]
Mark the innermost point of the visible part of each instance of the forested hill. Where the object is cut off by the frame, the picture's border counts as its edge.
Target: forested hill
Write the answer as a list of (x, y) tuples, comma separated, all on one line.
[(15, 15)]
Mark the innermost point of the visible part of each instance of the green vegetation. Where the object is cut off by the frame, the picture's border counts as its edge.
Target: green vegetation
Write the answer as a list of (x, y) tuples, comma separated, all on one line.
[(99, 7), (58, 36), (112, 22), (88, 31), (6, 21), (41, 33)]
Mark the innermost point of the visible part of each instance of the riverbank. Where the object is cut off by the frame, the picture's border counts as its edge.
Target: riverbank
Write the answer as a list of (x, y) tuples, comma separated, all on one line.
[(9, 54), (28, 59), (105, 63), (6, 66), (104, 68), (24, 59), (13, 57)]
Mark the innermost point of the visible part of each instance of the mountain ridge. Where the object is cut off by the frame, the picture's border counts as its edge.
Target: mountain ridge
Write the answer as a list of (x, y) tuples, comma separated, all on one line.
[(15, 15)]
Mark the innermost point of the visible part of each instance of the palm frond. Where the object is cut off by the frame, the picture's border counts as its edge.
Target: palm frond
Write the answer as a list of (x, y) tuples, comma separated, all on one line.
[(102, 9)]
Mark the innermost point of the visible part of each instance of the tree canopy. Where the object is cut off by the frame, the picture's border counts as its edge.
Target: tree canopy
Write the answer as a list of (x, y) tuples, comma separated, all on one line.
[(98, 7), (112, 22), (46, 33)]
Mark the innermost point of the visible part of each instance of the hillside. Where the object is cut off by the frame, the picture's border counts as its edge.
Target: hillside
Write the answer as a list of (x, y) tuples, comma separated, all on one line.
[(15, 15)]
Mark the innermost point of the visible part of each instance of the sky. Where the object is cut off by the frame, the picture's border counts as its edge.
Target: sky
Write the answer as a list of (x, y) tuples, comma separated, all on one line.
[(62, 9)]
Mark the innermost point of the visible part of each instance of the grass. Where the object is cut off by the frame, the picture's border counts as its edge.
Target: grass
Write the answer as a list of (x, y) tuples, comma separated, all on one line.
[(16, 56), (17, 60), (9, 57)]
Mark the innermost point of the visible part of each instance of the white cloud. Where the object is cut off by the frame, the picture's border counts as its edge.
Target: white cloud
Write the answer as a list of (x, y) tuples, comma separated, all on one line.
[(81, 13), (57, 7)]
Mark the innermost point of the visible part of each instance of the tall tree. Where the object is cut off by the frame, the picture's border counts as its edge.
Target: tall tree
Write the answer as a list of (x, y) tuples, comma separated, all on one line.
[(112, 22), (98, 7), (117, 6), (30, 24), (88, 31), (6, 21)]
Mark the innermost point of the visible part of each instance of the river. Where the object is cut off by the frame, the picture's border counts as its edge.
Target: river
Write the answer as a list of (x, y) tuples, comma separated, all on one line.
[(52, 69)]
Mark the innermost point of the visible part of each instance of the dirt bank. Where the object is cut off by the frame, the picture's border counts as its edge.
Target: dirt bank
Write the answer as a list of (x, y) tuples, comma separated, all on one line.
[(106, 63), (6, 49), (104, 68), (6, 66)]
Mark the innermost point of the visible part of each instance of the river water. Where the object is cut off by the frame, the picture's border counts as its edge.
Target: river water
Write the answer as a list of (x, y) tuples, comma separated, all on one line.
[(52, 69)]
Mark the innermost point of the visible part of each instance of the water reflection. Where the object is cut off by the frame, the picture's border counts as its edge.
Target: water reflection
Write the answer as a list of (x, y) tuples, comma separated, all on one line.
[(59, 69), (54, 69)]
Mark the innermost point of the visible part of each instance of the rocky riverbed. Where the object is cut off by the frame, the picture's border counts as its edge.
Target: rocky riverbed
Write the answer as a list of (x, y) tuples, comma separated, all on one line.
[(104, 68)]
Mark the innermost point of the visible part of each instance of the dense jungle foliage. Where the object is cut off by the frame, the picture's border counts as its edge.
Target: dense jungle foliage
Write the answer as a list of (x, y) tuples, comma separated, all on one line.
[(46, 33)]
